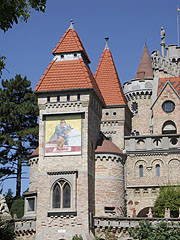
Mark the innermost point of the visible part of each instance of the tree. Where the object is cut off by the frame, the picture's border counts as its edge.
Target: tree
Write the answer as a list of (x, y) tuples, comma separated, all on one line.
[(18, 127), (11, 11), (169, 197), (17, 208), (9, 198), (159, 231), (6, 230)]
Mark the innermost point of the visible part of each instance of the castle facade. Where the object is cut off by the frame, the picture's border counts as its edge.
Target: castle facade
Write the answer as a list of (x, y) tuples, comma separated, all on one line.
[(103, 151)]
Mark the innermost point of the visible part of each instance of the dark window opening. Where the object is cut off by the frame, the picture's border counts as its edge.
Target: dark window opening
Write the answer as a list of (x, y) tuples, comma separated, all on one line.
[(168, 106), (141, 171), (158, 170), (109, 209), (31, 204), (62, 195)]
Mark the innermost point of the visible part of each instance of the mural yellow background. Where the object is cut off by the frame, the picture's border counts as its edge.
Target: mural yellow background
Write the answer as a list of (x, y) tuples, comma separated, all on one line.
[(52, 121)]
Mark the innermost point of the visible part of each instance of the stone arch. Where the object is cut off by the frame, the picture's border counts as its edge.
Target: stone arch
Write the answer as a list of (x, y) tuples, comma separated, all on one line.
[(154, 164), (138, 168), (140, 144), (174, 170), (169, 127), (143, 212)]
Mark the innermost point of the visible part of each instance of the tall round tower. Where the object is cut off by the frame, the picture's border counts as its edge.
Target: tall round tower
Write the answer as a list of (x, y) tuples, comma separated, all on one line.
[(138, 93), (109, 184)]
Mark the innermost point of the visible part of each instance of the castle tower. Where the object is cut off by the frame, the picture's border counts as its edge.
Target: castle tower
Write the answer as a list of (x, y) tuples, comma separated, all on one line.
[(116, 117), (138, 93), (69, 123), (116, 122)]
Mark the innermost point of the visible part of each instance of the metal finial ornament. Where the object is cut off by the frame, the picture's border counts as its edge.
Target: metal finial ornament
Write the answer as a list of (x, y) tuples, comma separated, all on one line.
[(106, 47), (72, 24)]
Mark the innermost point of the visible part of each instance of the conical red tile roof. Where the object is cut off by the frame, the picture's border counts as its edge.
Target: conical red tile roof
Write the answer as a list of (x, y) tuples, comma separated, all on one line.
[(145, 66), (70, 42), (68, 74), (108, 81)]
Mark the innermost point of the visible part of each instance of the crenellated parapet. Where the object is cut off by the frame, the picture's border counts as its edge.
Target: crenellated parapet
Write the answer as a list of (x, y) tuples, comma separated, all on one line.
[(165, 64), (138, 89)]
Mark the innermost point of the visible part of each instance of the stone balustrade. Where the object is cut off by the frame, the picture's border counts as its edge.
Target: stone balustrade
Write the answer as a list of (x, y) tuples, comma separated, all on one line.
[(25, 227), (155, 143), (118, 226)]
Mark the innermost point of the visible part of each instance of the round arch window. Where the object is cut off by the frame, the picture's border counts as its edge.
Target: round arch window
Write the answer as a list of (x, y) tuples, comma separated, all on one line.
[(168, 106)]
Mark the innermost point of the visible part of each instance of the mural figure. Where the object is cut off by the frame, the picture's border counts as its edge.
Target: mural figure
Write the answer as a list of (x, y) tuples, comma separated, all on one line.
[(66, 136), (60, 135)]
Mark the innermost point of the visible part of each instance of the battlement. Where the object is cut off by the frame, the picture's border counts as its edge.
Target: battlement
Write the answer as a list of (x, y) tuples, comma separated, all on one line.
[(138, 88), (168, 64)]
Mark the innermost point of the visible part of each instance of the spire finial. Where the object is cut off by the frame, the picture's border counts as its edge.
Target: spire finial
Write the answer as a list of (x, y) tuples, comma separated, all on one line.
[(72, 24), (106, 47)]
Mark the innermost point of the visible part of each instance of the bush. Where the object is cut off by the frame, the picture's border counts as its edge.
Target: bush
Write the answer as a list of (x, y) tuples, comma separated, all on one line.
[(169, 197), (17, 208)]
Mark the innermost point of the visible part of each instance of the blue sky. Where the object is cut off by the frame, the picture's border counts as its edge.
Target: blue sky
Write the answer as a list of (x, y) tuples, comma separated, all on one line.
[(128, 24)]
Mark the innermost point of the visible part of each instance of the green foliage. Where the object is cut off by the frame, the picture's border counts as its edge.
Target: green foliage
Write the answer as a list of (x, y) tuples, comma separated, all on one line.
[(17, 208), (169, 197), (108, 235), (6, 230), (11, 11), (77, 237), (2, 64), (9, 198), (18, 127), (159, 231)]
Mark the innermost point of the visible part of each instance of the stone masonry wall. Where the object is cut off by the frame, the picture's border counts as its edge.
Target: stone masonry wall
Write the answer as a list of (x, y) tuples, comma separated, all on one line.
[(142, 191), (160, 117), (109, 188), (66, 225)]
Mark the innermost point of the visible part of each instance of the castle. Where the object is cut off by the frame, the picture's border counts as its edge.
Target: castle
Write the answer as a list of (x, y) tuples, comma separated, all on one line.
[(103, 151)]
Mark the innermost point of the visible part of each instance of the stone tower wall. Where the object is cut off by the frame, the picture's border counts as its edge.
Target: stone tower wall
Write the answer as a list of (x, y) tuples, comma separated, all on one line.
[(33, 173), (115, 125), (109, 188), (77, 169)]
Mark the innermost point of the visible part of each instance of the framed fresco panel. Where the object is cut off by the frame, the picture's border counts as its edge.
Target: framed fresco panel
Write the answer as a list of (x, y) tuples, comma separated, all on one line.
[(63, 134)]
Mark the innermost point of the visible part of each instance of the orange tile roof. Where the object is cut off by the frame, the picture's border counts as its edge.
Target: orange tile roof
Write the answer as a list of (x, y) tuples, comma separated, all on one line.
[(108, 81), (175, 82), (145, 66), (62, 75), (108, 147), (70, 42)]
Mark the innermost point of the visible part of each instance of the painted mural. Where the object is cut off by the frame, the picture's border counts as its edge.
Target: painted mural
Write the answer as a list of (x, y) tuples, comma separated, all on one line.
[(63, 135)]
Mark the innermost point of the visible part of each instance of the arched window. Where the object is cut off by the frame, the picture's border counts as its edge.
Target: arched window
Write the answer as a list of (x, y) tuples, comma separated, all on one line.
[(141, 171), (169, 127), (61, 195), (157, 170)]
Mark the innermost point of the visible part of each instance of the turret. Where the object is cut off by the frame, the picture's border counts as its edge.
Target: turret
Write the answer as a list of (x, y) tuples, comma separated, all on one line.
[(138, 93)]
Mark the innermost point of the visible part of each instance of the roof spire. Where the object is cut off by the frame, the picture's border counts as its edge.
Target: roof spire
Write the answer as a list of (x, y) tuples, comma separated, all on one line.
[(106, 47), (72, 24)]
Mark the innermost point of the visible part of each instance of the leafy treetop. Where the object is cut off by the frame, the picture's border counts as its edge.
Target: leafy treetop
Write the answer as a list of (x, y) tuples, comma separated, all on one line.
[(11, 11)]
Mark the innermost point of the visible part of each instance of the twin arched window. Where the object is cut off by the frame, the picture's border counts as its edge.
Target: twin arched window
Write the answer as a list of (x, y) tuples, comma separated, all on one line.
[(157, 170), (61, 195)]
